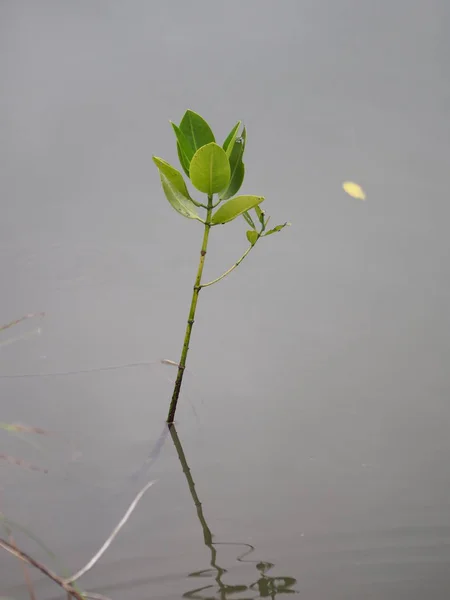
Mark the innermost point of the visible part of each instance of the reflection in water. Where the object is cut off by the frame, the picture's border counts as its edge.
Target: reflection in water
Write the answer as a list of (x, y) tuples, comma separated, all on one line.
[(263, 586)]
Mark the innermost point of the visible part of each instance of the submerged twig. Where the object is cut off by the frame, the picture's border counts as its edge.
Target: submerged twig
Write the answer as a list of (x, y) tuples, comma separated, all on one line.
[(26, 573), (21, 463), (12, 549), (108, 542), (13, 525)]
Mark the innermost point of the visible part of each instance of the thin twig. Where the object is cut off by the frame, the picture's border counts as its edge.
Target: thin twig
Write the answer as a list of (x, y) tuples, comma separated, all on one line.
[(17, 321), (143, 363), (45, 570), (26, 573), (108, 542), (236, 264), (18, 427)]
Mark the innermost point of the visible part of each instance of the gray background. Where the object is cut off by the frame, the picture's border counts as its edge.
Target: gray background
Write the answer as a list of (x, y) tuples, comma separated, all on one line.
[(315, 412)]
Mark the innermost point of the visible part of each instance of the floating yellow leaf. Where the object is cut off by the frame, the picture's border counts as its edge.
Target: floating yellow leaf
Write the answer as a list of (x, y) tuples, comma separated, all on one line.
[(354, 190)]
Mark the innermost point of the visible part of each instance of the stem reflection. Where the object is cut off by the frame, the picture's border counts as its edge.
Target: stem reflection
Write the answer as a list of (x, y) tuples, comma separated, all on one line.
[(263, 587)]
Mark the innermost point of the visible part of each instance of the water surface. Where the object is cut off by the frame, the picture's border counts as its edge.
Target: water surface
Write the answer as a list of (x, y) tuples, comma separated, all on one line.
[(314, 417)]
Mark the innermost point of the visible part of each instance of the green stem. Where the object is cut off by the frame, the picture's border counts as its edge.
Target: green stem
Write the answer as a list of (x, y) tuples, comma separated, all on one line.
[(191, 318), (236, 264)]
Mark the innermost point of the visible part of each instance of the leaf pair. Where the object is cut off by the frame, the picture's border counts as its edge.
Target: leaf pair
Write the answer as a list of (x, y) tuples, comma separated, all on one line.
[(214, 169), (192, 134), (253, 235)]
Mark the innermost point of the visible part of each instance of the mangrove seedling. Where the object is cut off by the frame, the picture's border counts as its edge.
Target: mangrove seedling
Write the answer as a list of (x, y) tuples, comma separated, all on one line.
[(218, 172)]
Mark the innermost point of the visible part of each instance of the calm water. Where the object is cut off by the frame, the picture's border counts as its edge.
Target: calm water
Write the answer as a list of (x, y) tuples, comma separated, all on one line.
[(314, 418)]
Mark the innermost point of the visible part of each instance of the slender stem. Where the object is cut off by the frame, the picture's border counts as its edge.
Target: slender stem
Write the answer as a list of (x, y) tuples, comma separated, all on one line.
[(236, 264), (191, 318)]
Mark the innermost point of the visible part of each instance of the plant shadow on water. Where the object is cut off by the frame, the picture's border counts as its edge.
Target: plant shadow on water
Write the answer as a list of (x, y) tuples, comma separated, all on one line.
[(263, 586)]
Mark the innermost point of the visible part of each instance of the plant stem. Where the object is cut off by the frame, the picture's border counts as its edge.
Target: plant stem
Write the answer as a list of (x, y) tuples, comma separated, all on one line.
[(236, 264), (191, 318)]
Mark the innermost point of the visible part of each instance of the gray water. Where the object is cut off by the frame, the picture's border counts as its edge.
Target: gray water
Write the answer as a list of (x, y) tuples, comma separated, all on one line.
[(314, 415)]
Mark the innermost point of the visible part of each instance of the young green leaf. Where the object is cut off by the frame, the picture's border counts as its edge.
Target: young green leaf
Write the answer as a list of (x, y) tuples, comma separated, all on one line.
[(231, 138), (184, 162), (175, 189), (236, 180), (249, 220), (260, 214), (252, 237), (237, 168), (196, 130), (276, 229), (235, 207), (210, 169), (183, 142)]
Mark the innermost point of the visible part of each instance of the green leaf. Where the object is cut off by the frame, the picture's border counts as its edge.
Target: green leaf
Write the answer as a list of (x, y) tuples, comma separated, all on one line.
[(175, 189), (196, 130), (260, 214), (276, 229), (231, 138), (210, 169), (237, 168), (183, 142), (235, 207), (180, 203), (249, 220), (252, 237), (183, 159), (236, 180), (172, 174)]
